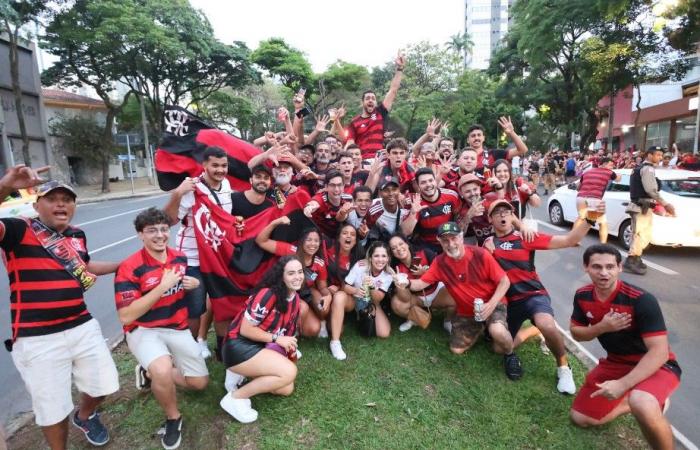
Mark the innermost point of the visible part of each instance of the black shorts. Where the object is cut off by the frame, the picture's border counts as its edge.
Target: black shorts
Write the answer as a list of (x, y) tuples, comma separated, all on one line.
[(521, 310), (239, 350)]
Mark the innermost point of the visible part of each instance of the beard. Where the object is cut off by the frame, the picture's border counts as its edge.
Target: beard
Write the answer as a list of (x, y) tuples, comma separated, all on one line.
[(323, 159), (283, 179)]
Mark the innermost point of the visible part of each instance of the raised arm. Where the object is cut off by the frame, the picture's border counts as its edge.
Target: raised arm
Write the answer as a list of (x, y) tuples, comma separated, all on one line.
[(520, 147), (172, 208), (20, 177), (390, 96), (321, 124)]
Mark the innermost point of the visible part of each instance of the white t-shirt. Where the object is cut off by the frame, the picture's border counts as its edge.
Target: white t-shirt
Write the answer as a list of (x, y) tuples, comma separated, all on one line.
[(515, 162), (385, 219), (186, 241), (360, 270)]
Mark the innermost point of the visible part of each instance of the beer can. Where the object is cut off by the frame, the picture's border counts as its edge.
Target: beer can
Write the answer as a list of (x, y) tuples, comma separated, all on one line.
[(478, 308)]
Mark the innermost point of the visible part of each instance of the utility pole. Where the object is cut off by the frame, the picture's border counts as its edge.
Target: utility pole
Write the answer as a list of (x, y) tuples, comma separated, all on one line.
[(611, 119), (145, 139)]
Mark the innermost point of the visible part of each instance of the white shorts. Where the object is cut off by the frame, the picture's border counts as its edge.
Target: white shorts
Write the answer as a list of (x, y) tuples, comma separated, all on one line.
[(428, 299), (47, 362), (149, 344)]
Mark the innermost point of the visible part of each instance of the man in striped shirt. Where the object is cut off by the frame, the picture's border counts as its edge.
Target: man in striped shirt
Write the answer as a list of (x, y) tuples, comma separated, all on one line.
[(149, 292), (527, 297), (55, 341), (594, 183)]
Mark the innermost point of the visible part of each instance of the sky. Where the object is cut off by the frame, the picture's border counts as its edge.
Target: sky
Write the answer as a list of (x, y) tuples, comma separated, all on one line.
[(365, 32)]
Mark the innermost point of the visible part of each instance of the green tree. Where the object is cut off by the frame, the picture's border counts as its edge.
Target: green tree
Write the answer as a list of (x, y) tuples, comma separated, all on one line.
[(81, 136), (85, 41), (284, 62), (229, 111), (342, 82), (462, 45)]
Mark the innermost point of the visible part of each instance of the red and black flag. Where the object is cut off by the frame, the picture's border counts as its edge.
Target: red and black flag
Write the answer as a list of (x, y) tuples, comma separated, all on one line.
[(231, 263), (179, 153)]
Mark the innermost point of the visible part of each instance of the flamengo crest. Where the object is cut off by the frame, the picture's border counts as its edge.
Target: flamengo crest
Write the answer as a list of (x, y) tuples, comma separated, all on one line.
[(175, 122), (213, 235)]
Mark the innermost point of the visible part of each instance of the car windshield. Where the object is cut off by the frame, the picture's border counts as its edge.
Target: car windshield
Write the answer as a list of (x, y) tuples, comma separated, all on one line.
[(689, 187), (13, 196)]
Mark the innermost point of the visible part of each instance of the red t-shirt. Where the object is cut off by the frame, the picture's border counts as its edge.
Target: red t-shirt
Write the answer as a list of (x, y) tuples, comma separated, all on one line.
[(425, 257), (517, 258), (313, 273), (594, 182), (475, 275), (261, 311), (138, 275), (368, 132)]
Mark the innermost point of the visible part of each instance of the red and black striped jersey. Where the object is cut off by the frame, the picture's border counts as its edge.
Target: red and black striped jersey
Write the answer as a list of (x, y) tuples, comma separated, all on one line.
[(324, 216), (433, 214), (338, 265), (451, 179), (647, 320), (368, 132), (138, 275), (358, 179), (313, 273), (594, 182), (261, 311), (44, 297), (405, 174), (517, 258), (488, 157)]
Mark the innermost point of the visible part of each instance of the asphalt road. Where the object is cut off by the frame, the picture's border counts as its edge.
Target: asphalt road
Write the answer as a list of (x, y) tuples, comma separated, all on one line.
[(674, 277)]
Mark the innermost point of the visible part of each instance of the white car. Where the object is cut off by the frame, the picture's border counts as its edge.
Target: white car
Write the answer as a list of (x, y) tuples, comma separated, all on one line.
[(19, 203), (681, 188)]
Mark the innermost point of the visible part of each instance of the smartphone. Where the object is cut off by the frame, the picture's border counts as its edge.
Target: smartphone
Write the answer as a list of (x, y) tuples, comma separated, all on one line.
[(416, 262), (487, 173)]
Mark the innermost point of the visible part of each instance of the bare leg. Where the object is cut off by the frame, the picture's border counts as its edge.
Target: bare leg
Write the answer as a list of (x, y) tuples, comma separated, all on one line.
[(502, 340), (603, 232), (656, 429), (545, 323), (269, 372), (88, 405), (524, 334), (381, 323), (205, 322), (57, 435), (160, 371), (342, 303), (310, 324)]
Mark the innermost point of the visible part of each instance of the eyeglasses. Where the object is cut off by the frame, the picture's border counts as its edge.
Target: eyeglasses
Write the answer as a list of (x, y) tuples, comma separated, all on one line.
[(501, 212), (152, 231)]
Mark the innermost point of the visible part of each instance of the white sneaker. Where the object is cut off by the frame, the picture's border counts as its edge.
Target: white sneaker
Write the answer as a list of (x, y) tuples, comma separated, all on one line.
[(337, 351), (203, 348), (407, 325), (566, 384), (323, 332), (239, 408), (232, 381), (447, 325)]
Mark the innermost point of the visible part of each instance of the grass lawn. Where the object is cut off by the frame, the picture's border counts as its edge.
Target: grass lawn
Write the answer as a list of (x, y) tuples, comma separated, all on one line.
[(405, 392)]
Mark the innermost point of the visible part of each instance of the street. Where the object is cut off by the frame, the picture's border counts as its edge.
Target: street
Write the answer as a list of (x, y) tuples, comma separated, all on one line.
[(673, 277)]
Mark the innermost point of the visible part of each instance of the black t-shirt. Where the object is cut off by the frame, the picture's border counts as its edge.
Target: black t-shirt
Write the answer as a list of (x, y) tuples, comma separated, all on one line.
[(240, 206)]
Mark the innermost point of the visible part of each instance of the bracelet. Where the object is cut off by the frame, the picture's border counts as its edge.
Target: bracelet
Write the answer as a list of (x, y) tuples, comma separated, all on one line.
[(274, 338), (590, 222)]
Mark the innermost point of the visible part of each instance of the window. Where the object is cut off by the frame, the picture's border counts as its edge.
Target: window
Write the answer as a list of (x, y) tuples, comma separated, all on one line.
[(658, 134), (685, 129)]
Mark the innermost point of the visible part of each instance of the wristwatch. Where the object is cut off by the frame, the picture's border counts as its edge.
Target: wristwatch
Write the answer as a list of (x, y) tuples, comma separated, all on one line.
[(274, 337)]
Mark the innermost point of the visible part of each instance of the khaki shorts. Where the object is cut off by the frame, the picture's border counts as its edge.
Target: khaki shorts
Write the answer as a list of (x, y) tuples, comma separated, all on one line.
[(466, 330), (583, 211), (149, 344), (48, 363)]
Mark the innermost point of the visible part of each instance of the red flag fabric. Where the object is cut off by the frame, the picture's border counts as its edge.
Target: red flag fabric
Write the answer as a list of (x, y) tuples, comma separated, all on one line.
[(179, 154), (231, 263)]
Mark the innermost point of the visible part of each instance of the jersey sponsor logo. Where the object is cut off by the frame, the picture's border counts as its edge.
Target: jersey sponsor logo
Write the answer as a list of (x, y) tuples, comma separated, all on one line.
[(77, 244), (373, 117), (152, 281), (260, 311), (173, 290)]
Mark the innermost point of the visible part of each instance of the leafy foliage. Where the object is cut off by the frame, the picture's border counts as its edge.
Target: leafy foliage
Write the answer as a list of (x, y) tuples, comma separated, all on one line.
[(81, 136)]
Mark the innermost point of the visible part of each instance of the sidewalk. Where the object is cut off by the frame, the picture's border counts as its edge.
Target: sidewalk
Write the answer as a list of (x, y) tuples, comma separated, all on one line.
[(120, 189)]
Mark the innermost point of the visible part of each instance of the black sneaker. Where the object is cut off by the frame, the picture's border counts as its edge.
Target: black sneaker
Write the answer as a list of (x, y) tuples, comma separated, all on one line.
[(142, 380), (171, 433), (632, 265), (95, 432), (513, 366)]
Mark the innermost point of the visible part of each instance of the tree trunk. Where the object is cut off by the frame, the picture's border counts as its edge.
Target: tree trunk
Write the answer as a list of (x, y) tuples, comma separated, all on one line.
[(107, 143), (411, 119), (17, 92)]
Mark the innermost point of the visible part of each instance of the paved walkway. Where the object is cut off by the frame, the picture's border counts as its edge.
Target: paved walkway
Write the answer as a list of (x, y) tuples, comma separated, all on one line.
[(119, 189)]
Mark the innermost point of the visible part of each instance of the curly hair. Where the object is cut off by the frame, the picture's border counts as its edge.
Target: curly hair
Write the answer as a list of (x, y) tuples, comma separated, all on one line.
[(151, 216), (274, 281)]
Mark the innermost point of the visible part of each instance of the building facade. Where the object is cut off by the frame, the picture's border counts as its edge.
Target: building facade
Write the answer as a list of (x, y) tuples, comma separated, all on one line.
[(486, 22)]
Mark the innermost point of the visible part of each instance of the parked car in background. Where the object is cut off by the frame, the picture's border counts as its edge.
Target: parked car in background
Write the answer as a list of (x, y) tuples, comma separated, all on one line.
[(19, 203), (681, 188)]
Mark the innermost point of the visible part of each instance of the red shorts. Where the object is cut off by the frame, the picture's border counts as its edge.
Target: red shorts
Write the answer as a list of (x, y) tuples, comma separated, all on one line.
[(225, 310), (661, 385)]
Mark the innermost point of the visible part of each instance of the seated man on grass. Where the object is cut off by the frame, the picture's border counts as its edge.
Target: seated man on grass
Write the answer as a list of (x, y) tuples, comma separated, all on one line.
[(471, 273), (150, 295), (640, 372)]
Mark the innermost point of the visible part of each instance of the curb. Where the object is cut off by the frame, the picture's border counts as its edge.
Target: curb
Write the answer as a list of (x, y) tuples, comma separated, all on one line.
[(24, 419), (106, 197), (590, 361)]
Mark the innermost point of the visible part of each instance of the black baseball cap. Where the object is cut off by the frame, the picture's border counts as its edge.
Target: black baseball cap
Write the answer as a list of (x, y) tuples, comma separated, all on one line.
[(387, 181), (448, 228), (654, 149)]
